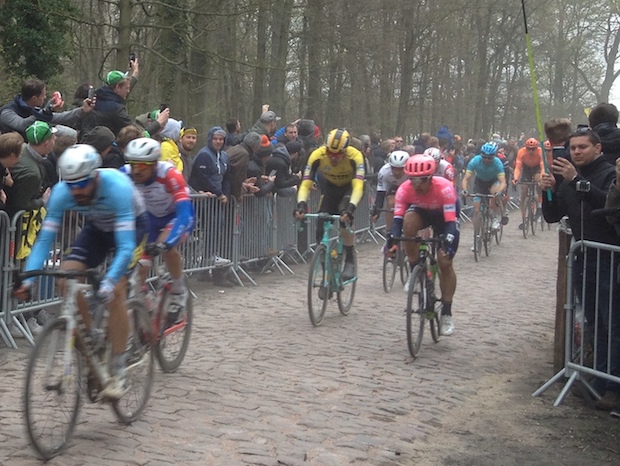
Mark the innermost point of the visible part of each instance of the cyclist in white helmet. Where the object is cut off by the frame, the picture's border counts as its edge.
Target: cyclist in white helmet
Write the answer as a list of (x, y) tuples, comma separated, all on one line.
[(390, 177), (115, 221), (444, 168)]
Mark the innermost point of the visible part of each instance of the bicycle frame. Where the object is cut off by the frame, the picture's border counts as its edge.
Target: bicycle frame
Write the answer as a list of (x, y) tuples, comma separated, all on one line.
[(332, 268)]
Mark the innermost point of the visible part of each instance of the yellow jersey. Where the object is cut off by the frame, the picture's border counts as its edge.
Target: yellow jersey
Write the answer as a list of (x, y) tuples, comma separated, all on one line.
[(350, 170)]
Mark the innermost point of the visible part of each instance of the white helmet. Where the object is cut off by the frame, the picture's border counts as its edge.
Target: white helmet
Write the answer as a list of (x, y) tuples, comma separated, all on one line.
[(143, 150), (78, 162), (433, 152), (398, 158)]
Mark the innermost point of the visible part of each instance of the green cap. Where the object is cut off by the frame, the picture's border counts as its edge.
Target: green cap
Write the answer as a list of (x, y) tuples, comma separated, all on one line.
[(114, 77), (39, 132)]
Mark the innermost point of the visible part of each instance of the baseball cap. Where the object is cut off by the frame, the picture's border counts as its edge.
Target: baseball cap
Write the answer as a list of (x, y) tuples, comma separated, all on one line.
[(269, 117), (100, 137), (114, 77), (39, 132)]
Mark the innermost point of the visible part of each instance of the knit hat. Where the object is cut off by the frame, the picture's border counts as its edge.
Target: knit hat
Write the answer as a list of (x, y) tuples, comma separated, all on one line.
[(266, 148), (305, 128), (219, 132), (269, 117), (114, 77), (293, 147), (172, 130), (100, 137), (252, 140), (39, 132)]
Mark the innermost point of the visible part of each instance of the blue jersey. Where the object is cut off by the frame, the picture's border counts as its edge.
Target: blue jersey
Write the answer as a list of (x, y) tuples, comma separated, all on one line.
[(114, 208), (485, 172)]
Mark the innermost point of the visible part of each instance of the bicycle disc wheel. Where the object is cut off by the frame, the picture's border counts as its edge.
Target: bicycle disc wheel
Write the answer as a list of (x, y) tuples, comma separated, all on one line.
[(403, 265), (318, 286), (346, 293), (389, 272), (53, 390), (416, 305), (173, 338), (140, 365)]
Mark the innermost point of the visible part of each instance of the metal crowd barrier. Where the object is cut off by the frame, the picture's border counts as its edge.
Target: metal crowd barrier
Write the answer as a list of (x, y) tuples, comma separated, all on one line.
[(258, 233), (592, 331)]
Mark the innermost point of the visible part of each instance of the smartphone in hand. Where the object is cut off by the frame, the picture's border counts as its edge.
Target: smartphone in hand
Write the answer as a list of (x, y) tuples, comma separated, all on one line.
[(163, 107), (92, 93)]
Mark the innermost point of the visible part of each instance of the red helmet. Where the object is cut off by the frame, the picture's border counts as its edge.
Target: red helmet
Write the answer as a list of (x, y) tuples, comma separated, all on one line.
[(532, 143), (548, 145), (420, 165)]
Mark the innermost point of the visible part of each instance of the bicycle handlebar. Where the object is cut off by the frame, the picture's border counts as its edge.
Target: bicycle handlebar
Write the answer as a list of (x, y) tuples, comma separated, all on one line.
[(481, 195)]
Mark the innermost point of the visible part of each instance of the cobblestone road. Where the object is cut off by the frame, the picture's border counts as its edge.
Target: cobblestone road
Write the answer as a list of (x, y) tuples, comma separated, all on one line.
[(260, 385)]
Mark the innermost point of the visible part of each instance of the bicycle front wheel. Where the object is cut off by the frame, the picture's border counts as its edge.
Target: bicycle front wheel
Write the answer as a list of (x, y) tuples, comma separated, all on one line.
[(477, 243), (533, 207), (526, 218), (53, 392), (435, 318), (173, 336), (487, 232), (318, 286), (140, 365), (416, 306), (346, 293), (389, 272)]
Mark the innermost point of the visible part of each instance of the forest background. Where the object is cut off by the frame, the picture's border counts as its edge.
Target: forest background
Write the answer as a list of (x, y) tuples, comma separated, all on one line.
[(389, 66)]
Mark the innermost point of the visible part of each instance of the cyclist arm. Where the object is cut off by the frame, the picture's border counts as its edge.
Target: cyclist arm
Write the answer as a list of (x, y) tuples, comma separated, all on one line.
[(357, 183), (518, 164), (401, 204), (502, 181), (466, 178), (185, 216), (309, 175), (59, 199), (125, 239)]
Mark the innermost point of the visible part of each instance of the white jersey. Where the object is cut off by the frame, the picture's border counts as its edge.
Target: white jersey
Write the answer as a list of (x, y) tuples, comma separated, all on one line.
[(386, 181), (445, 170)]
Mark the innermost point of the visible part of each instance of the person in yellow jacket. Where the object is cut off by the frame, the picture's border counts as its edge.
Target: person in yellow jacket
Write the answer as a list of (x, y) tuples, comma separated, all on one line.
[(169, 148)]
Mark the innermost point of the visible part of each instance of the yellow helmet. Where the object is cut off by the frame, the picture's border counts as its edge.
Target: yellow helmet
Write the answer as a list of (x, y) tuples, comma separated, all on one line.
[(337, 140)]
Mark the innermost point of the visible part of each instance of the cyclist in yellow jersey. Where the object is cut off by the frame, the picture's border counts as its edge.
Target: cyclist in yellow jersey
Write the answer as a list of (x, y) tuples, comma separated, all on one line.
[(342, 186)]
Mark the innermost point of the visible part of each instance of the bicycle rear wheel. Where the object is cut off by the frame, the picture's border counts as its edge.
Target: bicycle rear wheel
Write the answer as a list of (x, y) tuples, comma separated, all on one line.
[(403, 265), (173, 338), (53, 390), (346, 293), (416, 305), (318, 286), (140, 365), (434, 313), (389, 272)]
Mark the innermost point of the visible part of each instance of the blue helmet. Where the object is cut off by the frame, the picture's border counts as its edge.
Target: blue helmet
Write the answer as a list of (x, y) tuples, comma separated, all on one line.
[(488, 149)]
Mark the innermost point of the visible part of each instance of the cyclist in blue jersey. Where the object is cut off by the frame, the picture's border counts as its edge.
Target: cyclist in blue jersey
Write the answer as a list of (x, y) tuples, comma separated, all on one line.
[(115, 220), (490, 179)]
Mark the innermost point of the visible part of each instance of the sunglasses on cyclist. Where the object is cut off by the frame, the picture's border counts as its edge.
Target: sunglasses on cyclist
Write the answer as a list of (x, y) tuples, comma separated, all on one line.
[(141, 165), (78, 184), (420, 179)]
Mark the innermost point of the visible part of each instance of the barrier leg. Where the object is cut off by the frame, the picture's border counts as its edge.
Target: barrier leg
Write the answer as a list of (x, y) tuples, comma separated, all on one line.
[(550, 382)]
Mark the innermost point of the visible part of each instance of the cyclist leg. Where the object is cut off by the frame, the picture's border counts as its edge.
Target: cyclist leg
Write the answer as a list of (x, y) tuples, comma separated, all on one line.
[(348, 237), (413, 222), (174, 263)]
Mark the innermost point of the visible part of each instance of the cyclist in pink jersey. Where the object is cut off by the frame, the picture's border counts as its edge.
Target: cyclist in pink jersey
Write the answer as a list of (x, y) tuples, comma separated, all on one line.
[(424, 201)]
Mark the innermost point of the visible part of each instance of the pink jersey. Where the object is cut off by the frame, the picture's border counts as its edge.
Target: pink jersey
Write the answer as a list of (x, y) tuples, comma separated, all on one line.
[(441, 196)]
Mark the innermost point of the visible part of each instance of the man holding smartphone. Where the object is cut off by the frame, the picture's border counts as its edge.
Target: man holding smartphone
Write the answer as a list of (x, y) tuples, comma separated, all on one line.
[(582, 186)]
